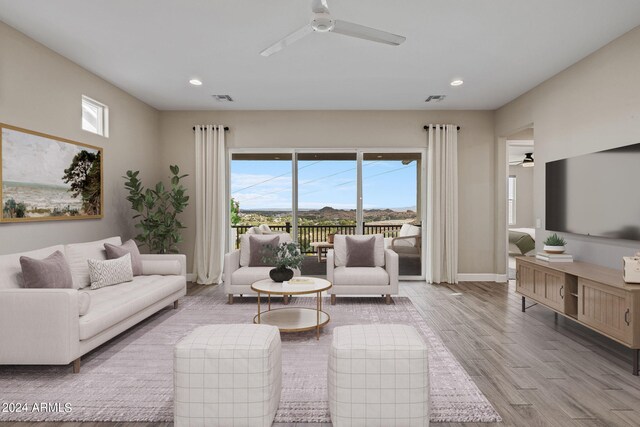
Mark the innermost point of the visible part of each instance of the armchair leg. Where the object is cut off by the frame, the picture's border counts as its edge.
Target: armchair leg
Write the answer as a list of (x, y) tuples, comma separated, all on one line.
[(76, 366), (286, 300), (388, 299), (175, 304), (333, 299), (230, 299)]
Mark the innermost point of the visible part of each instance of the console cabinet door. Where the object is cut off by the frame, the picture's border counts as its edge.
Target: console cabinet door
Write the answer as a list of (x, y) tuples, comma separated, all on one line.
[(554, 290), (524, 279), (606, 309)]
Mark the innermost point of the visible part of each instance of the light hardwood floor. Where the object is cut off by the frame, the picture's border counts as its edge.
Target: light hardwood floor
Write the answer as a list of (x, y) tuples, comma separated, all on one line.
[(536, 371)]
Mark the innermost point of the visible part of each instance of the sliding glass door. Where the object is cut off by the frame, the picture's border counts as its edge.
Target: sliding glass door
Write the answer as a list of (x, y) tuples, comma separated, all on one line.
[(315, 195)]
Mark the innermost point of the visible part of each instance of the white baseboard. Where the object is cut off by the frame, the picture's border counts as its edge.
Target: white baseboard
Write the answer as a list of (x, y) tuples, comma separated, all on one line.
[(482, 277)]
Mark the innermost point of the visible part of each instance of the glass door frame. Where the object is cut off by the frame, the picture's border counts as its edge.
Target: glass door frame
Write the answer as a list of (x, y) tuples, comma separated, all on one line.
[(360, 152)]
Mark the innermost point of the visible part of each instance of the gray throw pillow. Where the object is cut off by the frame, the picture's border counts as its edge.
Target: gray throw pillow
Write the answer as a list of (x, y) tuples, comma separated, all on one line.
[(360, 252), (257, 252), (51, 272), (128, 247)]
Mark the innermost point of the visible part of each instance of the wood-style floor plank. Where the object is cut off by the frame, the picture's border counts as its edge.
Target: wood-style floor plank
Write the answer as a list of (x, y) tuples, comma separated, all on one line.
[(534, 369)]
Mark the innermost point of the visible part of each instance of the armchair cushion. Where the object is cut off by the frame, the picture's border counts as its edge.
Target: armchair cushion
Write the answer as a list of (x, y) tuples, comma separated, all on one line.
[(360, 252), (245, 247), (257, 246), (340, 249), (365, 276), (407, 230)]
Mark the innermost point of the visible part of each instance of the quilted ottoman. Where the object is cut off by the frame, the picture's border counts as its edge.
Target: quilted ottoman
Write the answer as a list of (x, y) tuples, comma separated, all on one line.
[(378, 376), (227, 375)]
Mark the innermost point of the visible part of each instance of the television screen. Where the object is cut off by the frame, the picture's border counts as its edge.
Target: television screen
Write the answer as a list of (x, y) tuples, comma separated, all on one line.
[(595, 194)]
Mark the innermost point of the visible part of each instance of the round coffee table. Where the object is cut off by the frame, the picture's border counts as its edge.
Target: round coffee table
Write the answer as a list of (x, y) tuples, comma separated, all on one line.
[(293, 319)]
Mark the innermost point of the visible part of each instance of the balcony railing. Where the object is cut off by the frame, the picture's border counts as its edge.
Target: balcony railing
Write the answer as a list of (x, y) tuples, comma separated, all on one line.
[(320, 233)]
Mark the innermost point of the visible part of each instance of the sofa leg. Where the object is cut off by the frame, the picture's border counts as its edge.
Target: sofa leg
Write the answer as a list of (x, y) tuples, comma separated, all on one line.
[(388, 299), (175, 305), (76, 366), (333, 299), (230, 299)]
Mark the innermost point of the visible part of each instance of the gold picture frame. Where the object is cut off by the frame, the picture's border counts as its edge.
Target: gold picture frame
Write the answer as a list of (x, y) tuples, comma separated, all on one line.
[(47, 178)]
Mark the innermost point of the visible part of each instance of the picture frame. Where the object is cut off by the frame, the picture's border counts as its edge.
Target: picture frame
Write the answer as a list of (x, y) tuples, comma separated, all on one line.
[(48, 178)]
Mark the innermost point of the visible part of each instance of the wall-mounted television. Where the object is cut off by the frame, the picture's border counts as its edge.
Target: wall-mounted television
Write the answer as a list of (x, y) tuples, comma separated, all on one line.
[(595, 194)]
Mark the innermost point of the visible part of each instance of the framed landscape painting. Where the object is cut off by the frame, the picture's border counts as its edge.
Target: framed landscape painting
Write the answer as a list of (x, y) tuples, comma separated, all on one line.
[(43, 177)]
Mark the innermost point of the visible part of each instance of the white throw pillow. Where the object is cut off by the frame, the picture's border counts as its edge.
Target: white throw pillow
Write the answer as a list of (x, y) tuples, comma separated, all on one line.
[(408, 230), (245, 251), (110, 272), (340, 249), (264, 228)]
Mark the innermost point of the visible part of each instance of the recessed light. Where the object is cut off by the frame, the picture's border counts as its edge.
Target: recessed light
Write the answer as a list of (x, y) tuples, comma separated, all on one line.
[(196, 82), (456, 82)]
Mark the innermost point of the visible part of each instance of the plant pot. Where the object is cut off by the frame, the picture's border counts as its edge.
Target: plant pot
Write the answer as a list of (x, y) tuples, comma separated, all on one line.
[(554, 249), (281, 274)]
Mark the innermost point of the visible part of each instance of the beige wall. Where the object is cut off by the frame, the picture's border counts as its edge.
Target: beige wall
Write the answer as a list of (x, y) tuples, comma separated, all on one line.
[(524, 196), (361, 129), (591, 106), (40, 90)]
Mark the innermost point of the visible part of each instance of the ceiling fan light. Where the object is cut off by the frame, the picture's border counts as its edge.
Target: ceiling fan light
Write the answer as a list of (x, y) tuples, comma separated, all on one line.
[(528, 162)]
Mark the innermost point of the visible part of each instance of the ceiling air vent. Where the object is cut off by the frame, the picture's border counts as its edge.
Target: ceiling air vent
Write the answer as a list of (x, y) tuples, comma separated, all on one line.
[(223, 98), (435, 98)]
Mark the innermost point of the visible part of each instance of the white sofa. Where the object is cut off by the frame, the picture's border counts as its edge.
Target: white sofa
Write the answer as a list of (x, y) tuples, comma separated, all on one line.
[(58, 326), (238, 276), (380, 279)]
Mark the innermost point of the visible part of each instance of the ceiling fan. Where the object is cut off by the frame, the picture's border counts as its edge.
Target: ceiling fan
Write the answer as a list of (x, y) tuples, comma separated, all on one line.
[(322, 22), (527, 162)]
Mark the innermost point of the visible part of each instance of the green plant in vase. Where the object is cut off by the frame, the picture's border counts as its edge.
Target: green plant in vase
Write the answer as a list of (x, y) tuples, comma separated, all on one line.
[(158, 210), (285, 257)]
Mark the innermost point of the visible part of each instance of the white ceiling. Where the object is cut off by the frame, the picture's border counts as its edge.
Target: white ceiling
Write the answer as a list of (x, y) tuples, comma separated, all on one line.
[(151, 48)]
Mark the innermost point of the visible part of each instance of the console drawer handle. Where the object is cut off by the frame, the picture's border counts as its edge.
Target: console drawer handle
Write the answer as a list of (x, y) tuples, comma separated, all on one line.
[(562, 292), (626, 317)]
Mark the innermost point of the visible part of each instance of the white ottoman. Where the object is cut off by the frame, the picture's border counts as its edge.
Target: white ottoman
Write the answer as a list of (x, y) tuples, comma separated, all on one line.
[(378, 376), (227, 375)]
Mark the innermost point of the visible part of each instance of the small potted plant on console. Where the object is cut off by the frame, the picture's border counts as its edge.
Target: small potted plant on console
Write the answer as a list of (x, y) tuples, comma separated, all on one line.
[(554, 244)]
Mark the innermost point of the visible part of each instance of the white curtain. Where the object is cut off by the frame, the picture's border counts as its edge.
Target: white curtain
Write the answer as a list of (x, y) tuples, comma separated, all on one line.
[(442, 204), (211, 205)]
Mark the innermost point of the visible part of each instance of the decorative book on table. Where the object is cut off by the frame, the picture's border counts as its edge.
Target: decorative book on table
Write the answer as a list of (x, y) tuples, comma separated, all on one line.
[(543, 256), (298, 281)]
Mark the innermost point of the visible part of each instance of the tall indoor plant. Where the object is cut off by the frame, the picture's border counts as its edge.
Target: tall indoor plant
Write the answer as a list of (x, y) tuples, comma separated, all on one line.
[(158, 210)]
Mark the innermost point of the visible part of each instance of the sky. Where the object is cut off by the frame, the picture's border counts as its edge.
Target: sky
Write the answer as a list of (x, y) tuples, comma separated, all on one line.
[(35, 159), (266, 184)]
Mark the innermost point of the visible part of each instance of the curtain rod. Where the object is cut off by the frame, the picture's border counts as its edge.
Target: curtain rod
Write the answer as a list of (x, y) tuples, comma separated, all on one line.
[(441, 127), (226, 128)]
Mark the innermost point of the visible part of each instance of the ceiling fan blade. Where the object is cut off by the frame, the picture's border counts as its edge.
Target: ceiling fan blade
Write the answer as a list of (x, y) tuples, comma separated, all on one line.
[(367, 33), (290, 39), (319, 6)]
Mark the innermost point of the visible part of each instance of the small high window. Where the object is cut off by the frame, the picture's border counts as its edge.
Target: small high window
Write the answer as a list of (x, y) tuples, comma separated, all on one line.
[(511, 199), (95, 116)]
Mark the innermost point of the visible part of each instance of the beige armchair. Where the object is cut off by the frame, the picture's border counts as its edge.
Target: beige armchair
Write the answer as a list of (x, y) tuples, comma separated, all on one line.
[(381, 278), (408, 241)]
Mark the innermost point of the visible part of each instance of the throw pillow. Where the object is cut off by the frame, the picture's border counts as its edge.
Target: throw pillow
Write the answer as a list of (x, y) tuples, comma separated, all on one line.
[(110, 272), (360, 252), (51, 272), (256, 248), (128, 247)]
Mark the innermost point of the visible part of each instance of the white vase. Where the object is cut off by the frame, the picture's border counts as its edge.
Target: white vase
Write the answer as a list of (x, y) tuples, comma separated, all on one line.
[(554, 249)]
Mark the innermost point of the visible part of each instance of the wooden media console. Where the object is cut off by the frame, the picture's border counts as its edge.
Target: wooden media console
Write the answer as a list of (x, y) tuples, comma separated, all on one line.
[(593, 296)]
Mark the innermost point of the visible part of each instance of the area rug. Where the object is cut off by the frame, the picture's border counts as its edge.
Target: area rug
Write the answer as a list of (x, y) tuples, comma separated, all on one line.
[(130, 378)]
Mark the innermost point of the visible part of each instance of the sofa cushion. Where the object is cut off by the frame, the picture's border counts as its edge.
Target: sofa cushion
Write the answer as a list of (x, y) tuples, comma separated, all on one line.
[(340, 249), (165, 267), (245, 276), (77, 255), (113, 304), (50, 272), (11, 271), (84, 302), (128, 247), (245, 247), (365, 276), (110, 272)]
